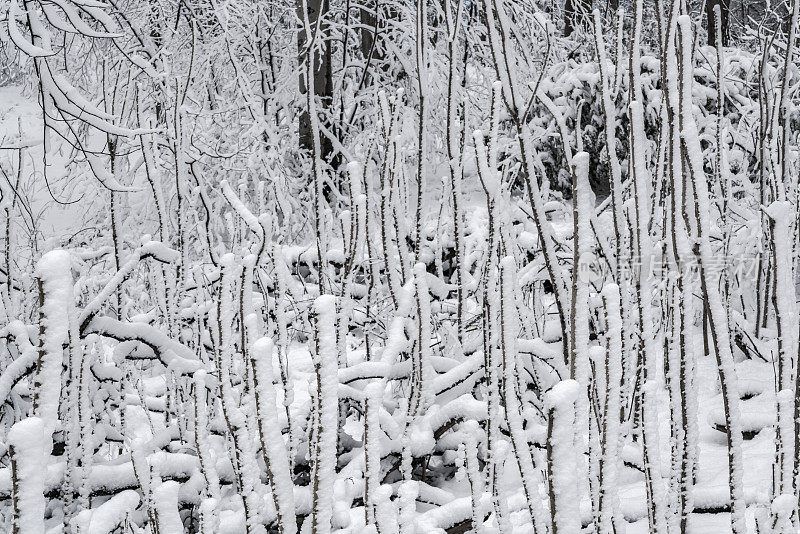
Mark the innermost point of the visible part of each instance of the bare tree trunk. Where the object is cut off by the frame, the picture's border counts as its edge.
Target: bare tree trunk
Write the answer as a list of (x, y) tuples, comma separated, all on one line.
[(370, 18), (575, 14), (323, 73)]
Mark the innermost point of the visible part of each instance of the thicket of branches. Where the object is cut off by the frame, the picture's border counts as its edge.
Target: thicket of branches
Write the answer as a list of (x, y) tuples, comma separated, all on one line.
[(395, 267)]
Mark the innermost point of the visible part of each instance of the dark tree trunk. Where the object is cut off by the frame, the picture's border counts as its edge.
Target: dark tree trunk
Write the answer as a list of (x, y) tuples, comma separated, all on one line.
[(369, 30), (370, 35), (323, 74), (576, 13), (711, 23), (154, 18)]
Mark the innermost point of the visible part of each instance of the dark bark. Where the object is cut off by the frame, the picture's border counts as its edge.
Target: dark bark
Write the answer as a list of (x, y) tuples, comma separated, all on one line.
[(323, 73), (154, 18), (369, 29), (576, 12), (724, 9), (370, 39)]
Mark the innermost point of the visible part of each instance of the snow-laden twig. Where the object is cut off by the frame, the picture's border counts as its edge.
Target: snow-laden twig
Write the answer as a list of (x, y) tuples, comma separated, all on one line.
[(29, 445), (324, 455), (273, 448)]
